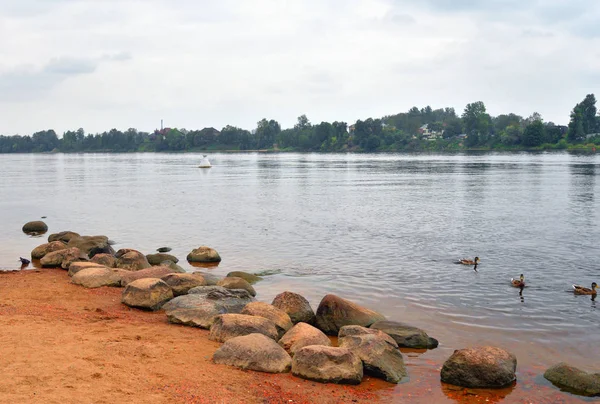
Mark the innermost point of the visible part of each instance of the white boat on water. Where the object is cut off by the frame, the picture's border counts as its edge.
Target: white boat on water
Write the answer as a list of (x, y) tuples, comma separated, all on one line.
[(204, 163)]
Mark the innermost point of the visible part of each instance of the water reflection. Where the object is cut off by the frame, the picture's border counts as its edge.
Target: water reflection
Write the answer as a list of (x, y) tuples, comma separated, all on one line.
[(467, 395)]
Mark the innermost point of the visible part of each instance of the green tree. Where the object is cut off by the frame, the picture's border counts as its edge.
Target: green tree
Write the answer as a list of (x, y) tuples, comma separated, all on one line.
[(534, 134), (266, 133), (476, 122)]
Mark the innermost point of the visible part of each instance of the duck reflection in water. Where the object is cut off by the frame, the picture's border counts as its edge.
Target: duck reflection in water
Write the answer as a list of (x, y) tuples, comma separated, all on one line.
[(521, 293)]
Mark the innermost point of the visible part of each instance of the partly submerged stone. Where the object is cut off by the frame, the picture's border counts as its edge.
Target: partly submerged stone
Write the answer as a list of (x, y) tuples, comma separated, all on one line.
[(236, 283), (334, 312), (35, 227), (296, 306), (64, 236), (254, 352), (250, 278), (91, 245), (481, 367), (406, 335), (204, 254), (379, 353), (574, 380), (158, 259)]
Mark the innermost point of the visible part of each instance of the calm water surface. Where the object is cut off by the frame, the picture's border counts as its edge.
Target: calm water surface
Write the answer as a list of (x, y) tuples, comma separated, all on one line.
[(382, 230)]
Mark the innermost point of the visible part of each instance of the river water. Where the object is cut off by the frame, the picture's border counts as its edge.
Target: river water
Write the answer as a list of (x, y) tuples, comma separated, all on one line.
[(381, 230)]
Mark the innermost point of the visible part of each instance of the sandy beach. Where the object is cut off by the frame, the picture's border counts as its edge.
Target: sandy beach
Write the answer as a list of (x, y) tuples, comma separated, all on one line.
[(61, 343)]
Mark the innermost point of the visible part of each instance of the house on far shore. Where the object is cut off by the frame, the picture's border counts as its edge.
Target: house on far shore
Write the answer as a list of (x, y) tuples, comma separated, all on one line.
[(462, 136), (429, 134)]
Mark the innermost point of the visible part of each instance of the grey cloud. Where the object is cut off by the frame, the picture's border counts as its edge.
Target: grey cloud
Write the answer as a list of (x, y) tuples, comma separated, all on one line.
[(27, 83)]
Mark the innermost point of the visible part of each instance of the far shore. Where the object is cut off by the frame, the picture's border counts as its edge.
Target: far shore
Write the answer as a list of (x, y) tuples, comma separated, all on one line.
[(66, 344)]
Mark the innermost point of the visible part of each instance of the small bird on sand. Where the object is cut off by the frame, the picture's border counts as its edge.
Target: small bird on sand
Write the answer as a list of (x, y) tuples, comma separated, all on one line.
[(24, 261)]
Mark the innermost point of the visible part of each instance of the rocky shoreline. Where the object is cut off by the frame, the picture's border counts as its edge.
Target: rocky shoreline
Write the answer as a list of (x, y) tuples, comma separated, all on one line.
[(286, 335)]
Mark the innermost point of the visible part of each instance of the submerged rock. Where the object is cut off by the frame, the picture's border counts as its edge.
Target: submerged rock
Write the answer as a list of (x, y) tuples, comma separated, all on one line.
[(163, 249), (131, 260), (250, 278), (406, 335), (482, 367), (236, 283), (379, 353), (35, 227), (42, 250), (254, 352), (204, 254), (228, 326), (296, 306), (147, 294), (334, 312), (327, 365), (574, 380), (278, 317), (302, 335), (158, 259), (211, 279)]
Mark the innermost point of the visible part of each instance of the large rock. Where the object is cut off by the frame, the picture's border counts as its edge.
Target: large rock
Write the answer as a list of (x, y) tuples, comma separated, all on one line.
[(81, 265), (71, 256), (302, 335), (482, 367), (131, 260), (334, 312), (379, 353), (157, 259), (147, 294), (55, 259), (236, 283), (296, 306), (95, 277), (150, 272), (278, 317), (250, 278), (254, 352), (227, 326), (406, 335), (92, 245), (107, 260), (202, 304), (40, 251), (327, 365), (204, 254), (182, 283), (574, 380), (64, 236), (35, 227)]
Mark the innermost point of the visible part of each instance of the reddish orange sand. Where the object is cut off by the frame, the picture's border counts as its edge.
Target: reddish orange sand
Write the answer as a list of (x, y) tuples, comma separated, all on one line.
[(60, 343)]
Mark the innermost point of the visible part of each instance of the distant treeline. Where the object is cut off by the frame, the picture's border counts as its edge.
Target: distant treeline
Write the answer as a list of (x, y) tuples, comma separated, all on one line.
[(415, 130)]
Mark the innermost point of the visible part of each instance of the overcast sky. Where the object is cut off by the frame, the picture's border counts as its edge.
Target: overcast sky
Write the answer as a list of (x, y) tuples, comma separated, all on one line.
[(102, 64)]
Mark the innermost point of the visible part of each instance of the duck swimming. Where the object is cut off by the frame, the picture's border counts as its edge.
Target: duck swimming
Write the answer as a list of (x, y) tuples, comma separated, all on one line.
[(580, 290), (518, 283), (466, 261)]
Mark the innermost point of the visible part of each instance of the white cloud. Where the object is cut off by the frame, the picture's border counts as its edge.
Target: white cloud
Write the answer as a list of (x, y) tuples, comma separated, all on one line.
[(128, 63)]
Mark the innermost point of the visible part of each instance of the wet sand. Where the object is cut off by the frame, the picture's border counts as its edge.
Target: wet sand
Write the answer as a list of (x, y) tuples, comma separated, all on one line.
[(60, 343)]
